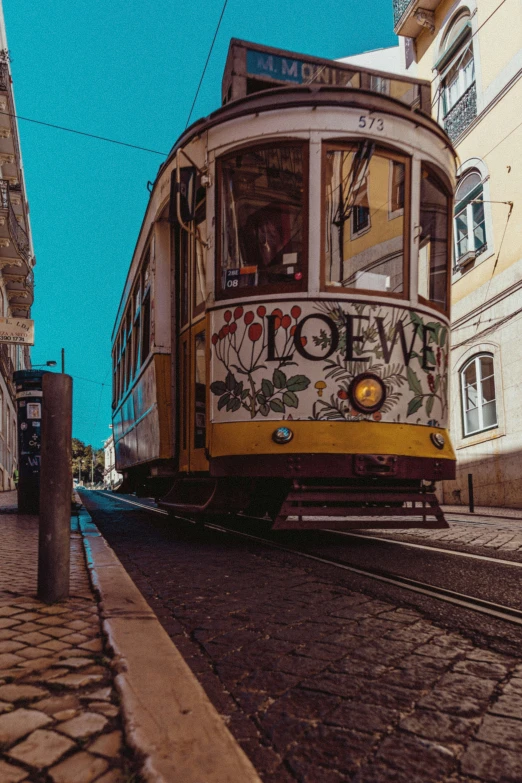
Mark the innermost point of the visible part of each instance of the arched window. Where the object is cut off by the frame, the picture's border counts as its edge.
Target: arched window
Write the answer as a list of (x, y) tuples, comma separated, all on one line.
[(479, 408), (470, 221), (456, 67)]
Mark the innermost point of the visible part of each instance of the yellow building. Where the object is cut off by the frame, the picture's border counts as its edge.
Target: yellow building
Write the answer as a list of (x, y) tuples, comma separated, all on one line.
[(471, 51), (16, 262)]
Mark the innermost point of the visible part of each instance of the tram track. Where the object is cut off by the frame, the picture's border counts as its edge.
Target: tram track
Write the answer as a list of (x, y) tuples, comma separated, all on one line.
[(462, 600)]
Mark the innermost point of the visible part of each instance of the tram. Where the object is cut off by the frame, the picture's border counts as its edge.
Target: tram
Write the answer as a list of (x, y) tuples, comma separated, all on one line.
[(282, 342)]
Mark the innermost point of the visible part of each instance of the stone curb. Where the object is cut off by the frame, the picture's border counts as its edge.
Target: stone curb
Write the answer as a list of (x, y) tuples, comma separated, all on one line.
[(169, 720)]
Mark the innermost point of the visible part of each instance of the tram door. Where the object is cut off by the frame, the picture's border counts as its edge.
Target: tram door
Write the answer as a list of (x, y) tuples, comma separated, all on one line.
[(192, 362)]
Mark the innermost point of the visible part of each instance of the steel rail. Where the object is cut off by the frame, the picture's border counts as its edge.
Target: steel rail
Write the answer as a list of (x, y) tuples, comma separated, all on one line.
[(487, 559), (489, 608)]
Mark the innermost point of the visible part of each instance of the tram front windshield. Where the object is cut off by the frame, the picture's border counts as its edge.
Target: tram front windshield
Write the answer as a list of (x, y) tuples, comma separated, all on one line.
[(365, 222), (262, 195)]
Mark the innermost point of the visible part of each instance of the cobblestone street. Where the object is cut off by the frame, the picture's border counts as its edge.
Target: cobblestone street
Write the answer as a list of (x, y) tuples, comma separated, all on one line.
[(318, 682)]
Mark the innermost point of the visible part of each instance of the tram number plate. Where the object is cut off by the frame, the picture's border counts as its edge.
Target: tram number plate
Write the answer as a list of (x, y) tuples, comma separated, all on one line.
[(372, 123)]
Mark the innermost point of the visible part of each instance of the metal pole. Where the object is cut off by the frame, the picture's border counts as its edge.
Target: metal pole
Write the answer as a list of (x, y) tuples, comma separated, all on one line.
[(92, 466), (63, 361), (55, 489), (470, 493)]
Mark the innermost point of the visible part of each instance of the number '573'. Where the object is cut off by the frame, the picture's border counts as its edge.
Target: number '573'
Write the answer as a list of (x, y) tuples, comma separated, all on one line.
[(372, 123)]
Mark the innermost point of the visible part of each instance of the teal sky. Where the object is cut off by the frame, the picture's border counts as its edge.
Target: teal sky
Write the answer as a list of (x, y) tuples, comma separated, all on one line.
[(128, 71)]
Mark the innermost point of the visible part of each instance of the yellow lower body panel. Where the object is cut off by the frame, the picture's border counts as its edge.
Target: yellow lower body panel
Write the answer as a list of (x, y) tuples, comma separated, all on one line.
[(328, 437)]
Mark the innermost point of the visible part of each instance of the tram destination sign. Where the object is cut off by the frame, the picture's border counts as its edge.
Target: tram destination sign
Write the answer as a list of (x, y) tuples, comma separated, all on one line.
[(296, 71), (18, 331)]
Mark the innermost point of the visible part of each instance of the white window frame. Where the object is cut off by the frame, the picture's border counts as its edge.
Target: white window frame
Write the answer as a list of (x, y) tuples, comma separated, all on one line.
[(481, 403)]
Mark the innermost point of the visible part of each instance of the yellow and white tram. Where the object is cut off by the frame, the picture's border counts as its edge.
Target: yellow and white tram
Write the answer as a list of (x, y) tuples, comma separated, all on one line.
[(282, 340)]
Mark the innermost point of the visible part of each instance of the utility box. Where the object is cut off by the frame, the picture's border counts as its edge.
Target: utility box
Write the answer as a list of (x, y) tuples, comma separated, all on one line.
[(29, 400)]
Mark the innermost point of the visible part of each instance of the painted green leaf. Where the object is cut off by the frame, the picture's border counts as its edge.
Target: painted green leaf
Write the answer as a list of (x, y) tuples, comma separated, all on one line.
[(236, 404), (414, 405), (277, 406), (238, 388), (413, 382), (290, 399), (218, 387), (264, 410), (230, 381), (268, 387), (443, 335), (429, 405), (415, 319), (298, 383), (230, 403), (223, 401), (260, 397), (279, 379)]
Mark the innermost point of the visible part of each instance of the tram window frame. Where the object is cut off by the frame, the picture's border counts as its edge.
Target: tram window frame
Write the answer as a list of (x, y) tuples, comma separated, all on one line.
[(269, 288), (445, 188), (404, 212), (199, 250)]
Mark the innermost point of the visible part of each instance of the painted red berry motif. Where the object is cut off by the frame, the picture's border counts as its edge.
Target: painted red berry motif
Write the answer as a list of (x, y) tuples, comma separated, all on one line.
[(232, 328), (286, 321), (215, 338), (377, 416), (225, 330), (261, 311), (431, 382), (255, 331), (295, 312), (238, 312), (227, 316), (342, 394), (249, 317), (278, 312)]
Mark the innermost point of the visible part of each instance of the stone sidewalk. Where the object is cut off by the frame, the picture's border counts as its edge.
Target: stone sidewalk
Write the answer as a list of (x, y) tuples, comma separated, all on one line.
[(79, 677), (59, 711), (495, 529)]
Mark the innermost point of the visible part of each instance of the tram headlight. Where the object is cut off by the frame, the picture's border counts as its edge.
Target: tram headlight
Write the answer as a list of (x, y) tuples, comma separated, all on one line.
[(367, 393)]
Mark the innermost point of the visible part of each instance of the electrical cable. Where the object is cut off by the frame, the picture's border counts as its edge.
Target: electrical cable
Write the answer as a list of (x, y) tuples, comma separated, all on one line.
[(83, 133), (206, 64)]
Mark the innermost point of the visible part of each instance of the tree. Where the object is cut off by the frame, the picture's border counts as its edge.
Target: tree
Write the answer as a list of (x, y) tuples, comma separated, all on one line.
[(87, 462)]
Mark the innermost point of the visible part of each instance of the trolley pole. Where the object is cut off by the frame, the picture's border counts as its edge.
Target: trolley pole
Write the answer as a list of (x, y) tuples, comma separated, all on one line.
[(55, 489)]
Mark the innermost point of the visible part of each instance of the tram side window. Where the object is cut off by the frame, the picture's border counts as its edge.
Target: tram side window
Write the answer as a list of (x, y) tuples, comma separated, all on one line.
[(200, 389), (200, 256), (365, 219), (262, 219), (136, 347), (145, 327), (434, 239)]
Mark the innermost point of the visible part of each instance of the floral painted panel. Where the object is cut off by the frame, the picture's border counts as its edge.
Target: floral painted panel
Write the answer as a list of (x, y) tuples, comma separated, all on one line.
[(297, 360)]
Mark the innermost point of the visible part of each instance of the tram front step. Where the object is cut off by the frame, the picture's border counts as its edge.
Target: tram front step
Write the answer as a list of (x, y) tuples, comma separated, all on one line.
[(309, 507)]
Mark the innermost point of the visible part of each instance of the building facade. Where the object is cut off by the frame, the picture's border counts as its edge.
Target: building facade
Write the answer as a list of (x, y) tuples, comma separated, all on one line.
[(471, 51), (16, 262), (111, 477)]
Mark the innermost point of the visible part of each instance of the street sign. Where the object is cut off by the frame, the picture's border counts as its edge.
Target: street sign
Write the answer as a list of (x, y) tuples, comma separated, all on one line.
[(19, 331)]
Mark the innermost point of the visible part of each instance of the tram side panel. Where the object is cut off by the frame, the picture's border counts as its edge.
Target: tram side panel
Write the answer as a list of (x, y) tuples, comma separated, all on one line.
[(142, 419)]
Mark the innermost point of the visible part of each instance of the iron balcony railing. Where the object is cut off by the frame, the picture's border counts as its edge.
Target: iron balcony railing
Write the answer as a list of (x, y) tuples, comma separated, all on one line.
[(16, 232), (399, 7), (4, 76), (462, 113)]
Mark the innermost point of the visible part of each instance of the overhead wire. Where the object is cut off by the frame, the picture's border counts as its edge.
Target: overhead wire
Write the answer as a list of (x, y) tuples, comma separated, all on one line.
[(84, 133), (206, 63)]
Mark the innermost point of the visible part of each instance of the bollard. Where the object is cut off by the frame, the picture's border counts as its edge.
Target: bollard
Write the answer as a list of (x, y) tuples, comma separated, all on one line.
[(470, 493), (55, 489)]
